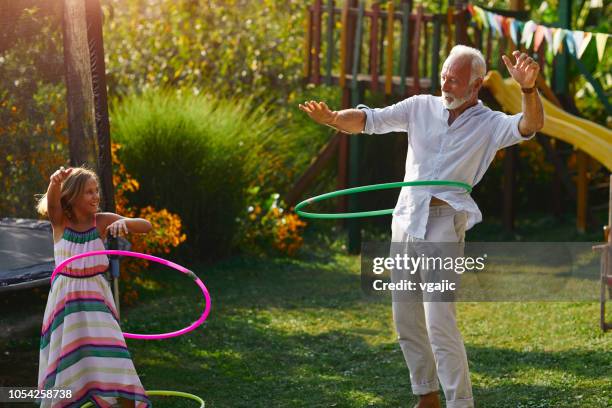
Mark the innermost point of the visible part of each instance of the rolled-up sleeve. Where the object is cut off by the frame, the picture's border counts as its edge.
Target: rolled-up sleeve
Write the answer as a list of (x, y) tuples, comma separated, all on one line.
[(394, 118), (507, 131)]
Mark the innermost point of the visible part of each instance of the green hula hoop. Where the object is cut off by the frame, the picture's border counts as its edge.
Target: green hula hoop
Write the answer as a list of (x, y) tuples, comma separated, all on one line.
[(372, 187), (166, 394)]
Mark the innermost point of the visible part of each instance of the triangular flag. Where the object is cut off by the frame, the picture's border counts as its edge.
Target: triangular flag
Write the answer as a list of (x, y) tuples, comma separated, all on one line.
[(483, 17), (513, 31), (538, 37), (506, 26), (493, 23), (571, 42), (585, 43), (578, 37), (558, 36), (548, 34), (600, 41), (473, 13), (528, 31)]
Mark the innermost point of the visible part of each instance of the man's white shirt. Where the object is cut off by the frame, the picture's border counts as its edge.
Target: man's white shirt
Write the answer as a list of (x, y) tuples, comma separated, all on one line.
[(436, 151)]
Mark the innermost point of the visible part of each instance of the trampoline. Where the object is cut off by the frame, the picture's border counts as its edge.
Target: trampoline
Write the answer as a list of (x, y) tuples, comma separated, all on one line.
[(26, 253)]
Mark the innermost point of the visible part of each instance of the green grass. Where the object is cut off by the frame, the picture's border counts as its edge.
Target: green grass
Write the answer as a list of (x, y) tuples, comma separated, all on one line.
[(300, 333)]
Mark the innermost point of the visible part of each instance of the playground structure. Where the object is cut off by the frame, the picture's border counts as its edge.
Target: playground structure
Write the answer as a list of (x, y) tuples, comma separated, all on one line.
[(397, 52)]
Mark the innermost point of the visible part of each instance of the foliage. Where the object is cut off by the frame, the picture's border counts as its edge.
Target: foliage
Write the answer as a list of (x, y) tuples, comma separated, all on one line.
[(267, 226), (198, 156), (233, 47), (166, 233), (33, 123)]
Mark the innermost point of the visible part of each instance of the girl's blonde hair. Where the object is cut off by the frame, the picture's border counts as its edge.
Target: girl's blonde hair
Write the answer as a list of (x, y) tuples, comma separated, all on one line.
[(71, 189)]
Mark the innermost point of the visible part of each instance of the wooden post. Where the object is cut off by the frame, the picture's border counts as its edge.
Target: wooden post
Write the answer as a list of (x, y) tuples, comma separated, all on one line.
[(343, 40), (561, 63), (582, 189), (460, 23), (435, 58), (98, 68), (330, 42), (316, 39), (80, 101), (389, 56), (346, 65), (416, 84), (374, 47), (404, 46), (509, 186), (307, 45), (354, 225)]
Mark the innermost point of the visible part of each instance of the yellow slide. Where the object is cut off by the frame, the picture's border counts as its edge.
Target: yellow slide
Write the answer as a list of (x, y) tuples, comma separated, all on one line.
[(593, 139)]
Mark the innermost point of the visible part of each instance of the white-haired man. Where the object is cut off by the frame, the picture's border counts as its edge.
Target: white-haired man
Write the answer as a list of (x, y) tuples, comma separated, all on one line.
[(450, 137)]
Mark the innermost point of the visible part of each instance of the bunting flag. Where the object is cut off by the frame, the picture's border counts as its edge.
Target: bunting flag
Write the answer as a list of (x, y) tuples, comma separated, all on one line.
[(493, 24), (558, 40), (585, 43), (578, 38), (570, 40), (600, 41), (514, 30), (529, 33), (548, 35), (538, 37)]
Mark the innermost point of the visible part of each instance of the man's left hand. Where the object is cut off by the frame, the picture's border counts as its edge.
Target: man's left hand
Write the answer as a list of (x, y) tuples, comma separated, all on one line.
[(524, 71)]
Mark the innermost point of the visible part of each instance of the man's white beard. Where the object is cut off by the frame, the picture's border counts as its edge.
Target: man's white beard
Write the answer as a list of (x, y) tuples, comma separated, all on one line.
[(456, 102)]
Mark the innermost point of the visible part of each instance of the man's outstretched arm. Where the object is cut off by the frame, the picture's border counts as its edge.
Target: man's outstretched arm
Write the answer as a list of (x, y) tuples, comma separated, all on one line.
[(347, 120), (525, 72)]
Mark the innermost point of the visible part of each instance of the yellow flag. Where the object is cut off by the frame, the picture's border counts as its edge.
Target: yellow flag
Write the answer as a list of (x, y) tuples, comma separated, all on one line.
[(600, 41)]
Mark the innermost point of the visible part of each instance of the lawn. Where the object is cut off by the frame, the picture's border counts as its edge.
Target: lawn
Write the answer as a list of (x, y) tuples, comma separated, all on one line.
[(299, 332)]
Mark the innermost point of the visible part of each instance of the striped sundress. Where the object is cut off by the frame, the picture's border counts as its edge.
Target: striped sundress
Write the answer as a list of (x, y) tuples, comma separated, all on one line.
[(81, 346)]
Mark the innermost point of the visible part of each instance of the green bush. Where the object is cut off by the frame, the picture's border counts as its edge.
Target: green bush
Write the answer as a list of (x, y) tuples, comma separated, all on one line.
[(191, 155), (198, 156)]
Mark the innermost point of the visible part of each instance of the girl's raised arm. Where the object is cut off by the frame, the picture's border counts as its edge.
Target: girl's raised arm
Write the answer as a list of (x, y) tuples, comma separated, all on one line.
[(54, 195)]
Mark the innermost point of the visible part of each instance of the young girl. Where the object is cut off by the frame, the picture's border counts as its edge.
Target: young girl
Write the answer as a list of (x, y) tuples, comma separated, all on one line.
[(82, 347)]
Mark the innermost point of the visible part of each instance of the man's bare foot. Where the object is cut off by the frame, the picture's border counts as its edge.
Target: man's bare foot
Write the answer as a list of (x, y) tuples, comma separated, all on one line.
[(431, 400)]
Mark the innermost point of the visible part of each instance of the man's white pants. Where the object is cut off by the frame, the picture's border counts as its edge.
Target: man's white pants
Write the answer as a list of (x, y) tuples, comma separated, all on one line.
[(427, 331)]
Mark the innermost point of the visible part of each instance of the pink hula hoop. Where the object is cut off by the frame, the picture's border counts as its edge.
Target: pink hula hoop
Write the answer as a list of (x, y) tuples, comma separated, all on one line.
[(160, 261)]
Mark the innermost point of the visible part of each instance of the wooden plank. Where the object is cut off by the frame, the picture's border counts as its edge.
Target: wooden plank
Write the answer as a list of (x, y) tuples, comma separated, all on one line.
[(425, 47), (357, 46), (416, 89), (582, 191), (343, 42), (307, 44), (316, 39), (330, 42), (98, 69), (374, 29), (488, 54), (404, 46), (460, 19), (509, 188), (80, 101), (449, 24), (389, 56), (323, 157), (435, 61), (343, 152)]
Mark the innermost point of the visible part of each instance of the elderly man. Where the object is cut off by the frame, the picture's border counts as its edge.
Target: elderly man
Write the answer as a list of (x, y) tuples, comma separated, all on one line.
[(450, 137)]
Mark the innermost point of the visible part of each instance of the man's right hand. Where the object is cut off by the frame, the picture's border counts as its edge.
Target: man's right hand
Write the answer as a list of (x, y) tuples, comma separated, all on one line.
[(319, 112)]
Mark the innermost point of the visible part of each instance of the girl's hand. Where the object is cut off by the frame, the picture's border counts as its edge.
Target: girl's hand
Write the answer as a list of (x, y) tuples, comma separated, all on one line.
[(118, 227), (60, 175)]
